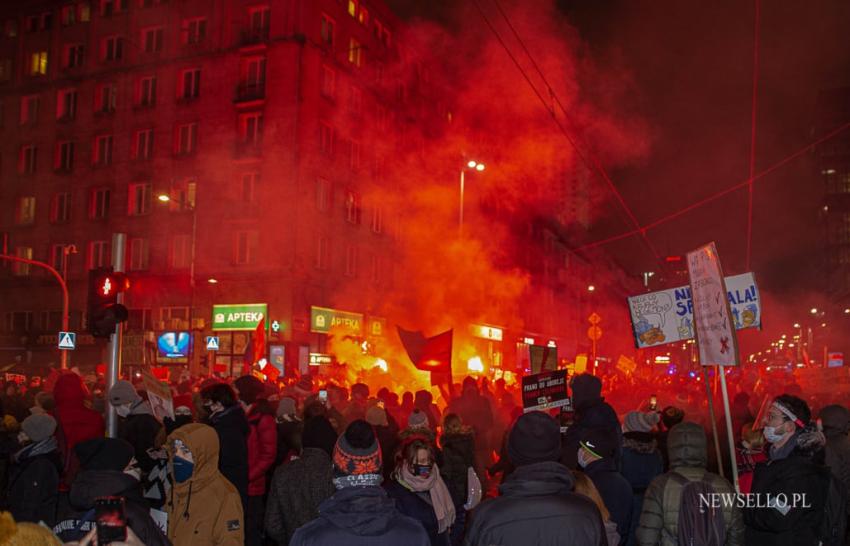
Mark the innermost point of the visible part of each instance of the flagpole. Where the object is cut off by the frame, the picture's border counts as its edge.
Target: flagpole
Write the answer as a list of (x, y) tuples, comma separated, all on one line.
[(729, 434), (713, 417)]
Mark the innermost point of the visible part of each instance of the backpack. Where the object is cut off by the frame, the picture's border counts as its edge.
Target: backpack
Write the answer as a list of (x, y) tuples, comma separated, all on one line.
[(698, 524), (833, 527)]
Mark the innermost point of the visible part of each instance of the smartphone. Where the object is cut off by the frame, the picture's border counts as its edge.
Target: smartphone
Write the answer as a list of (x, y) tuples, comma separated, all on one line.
[(653, 403), (323, 396), (111, 519)]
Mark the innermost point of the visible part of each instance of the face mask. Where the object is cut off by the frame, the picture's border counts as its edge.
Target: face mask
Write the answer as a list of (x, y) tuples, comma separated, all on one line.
[(422, 470), (771, 435), (583, 458), (134, 471), (183, 469), (23, 438), (123, 410)]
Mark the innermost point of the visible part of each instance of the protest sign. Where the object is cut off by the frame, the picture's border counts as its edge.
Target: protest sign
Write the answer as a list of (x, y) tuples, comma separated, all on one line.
[(159, 396), (545, 390), (715, 328)]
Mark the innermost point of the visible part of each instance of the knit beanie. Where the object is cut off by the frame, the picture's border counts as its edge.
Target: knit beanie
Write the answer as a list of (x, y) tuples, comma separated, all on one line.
[(104, 454), (377, 417), (183, 405), (250, 388), (602, 442), (123, 392), (586, 388), (39, 427), (672, 416), (637, 421), (357, 457), (417, 419), (286, 406), (534, 438)]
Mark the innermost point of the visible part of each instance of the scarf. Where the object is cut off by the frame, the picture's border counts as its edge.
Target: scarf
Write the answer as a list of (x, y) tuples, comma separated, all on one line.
[(33, 450), (441, 500)]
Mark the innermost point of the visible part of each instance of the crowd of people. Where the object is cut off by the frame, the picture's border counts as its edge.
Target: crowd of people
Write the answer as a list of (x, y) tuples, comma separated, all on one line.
[(262, 464)]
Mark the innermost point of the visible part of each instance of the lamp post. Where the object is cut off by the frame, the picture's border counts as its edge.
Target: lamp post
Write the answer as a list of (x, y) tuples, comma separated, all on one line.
[(470, 165), (165, 198)]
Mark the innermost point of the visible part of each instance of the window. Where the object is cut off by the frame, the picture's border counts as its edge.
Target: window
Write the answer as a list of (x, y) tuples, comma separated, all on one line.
[(64, 156), (106, 98), (174, 317), (363, 16), (111, 7), (249, 187), (382, 33), (83, 12), (254, 72), (180, 252), (354, 159), (99, 203), (32, 23), (143, 148), (251, 129), (190, 86), (356, 100), (377, 220), (69, 15), (326, 138), (22, 269), (72, 56), (10, 29), (29, 109), (139, 199), (57, 256), (27, 161), (139, 254), (323, 194), (351, 261), (25, 213), (60, 208), (259, 20), (66, 104), (354, 52), (187, 139), (152, 40), (38, 63), (139, 319), (147, 91), (352, 207), (245, 247), (327, 32), (98, 254), (103, 150), (328, 84), (5, 70), (352, 8), (323, 245), (112, 49), (194, 30)]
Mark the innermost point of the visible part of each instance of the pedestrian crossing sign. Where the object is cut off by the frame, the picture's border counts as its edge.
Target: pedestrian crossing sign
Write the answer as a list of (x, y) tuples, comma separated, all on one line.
[(67, 341), (212, 343)]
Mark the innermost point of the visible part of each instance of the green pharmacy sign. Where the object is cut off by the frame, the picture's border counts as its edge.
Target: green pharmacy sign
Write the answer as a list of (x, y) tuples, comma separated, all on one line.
[(240, 316), (324, 320)]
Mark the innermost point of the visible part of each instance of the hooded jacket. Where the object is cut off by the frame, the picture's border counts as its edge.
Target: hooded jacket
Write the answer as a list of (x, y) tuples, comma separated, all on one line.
[(591, 412), (78, 519), (140, 429), (642, 462), (232, 429), (457, 455), (262, 448), (205, 509), (76, 423), (360, 516), (34, 482), (537, 507), (659, 518), (615, 491), (836, 424)]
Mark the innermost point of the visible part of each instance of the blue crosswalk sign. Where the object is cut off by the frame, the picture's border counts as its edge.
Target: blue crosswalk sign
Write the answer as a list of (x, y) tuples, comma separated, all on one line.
[(212, 343), (67, 341)]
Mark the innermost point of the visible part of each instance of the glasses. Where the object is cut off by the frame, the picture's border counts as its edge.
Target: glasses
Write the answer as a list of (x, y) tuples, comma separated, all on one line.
[(774, 417)]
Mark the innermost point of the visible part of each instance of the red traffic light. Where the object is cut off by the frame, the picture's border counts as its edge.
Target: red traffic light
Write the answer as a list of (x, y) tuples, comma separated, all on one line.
[(111, 284)]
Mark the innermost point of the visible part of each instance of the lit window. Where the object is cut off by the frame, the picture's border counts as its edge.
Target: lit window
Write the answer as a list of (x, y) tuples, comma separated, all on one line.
[(25, 214), (354, 52), (363, 16), (22, 269), (352, 8), (38, 63), (139, 198)]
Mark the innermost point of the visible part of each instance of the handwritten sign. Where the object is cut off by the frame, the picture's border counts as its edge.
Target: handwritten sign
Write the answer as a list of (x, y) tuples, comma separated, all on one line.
[(715, 328)]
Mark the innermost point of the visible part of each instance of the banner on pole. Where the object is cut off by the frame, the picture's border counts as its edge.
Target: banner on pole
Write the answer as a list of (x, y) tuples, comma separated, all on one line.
[(666, 316), (543, 391), (714, 324)]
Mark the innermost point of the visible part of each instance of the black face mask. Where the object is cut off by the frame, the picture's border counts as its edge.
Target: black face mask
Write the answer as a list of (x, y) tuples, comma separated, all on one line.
[(422, 470)]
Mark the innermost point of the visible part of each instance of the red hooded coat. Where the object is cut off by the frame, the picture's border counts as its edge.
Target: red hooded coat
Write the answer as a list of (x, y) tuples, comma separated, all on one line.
[(76, 422)]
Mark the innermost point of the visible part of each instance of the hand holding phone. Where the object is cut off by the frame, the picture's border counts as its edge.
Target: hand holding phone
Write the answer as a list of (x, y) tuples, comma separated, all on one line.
[(111, 520)]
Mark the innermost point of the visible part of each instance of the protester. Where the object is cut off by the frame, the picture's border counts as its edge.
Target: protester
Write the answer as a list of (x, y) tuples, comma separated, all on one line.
[(184, 413), (417, 425), (642, 461), (13, 402), (288, 430), (660, 516), (836, 426), (424, 401), (231, 426), (536, 505), (34, 475), (596, 451), (670, 417), (476, 412), (791, 469), (75, 422), (300, 485), (357, 406), (43, 403), (456, 457), (107, 469), (137, 426), (584, 486), (591, 411), (262, 451), (387, 435), (360, 513), (205, 506), (748, 454)]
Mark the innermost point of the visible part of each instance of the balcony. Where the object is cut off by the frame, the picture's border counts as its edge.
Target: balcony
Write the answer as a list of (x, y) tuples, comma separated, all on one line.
[(254, 36), (248, 92)]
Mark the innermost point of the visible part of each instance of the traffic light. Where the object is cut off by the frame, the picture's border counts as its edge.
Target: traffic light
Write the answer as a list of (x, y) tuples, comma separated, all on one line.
[(104, 311)]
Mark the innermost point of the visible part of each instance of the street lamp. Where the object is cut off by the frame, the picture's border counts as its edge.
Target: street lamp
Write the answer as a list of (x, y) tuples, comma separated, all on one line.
[(470, 165), (591, 288), (813, 310)]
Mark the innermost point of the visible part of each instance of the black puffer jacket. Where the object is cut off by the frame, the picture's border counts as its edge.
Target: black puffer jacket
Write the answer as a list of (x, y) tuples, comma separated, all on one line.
[(232, 428), (34, 483), (592, 411), (458, 454), (90, 484), (140, 429), (537, 507)]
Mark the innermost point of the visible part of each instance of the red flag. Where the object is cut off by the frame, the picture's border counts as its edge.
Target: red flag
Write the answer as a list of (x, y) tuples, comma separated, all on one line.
[(260, 341), (270, 371), (430, 354)]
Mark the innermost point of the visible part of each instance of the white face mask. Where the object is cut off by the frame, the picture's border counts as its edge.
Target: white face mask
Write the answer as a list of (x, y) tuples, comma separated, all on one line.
[(23, 438), (770, 434), (123, 410), (583, 459)]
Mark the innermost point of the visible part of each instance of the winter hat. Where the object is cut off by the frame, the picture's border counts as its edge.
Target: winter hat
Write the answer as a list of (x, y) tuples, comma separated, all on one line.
[(123, 392), (320, 434), (377, 417), (417, 419), (250, 388), (637, 421), (601, 441), (39, 427), (835, 418), (286, 406), (534, 438), (586, 388), (357, 457), (183, 405), (672, 416), (104, 454)]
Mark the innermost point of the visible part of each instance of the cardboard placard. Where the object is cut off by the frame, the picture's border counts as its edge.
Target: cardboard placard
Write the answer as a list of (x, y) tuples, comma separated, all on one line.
[(159, 396), (547, 390)]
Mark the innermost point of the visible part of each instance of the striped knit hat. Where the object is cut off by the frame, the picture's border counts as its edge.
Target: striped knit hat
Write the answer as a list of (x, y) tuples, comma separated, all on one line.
[(357, 457)]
